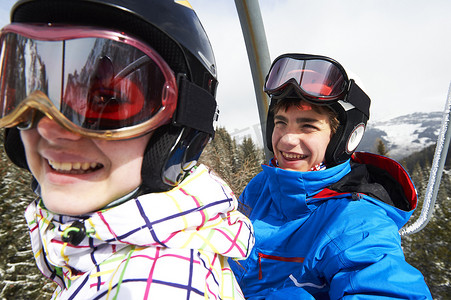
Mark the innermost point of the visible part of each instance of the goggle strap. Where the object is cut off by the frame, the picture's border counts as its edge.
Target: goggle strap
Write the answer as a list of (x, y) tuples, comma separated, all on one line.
[(196, 108), (357, 97)]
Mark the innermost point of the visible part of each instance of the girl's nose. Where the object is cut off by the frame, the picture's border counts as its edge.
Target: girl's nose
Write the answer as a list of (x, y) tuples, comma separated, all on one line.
[(52, 131)]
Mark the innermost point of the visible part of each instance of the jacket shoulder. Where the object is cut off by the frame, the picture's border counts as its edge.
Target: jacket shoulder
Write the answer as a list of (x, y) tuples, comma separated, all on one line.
[(381, 178)]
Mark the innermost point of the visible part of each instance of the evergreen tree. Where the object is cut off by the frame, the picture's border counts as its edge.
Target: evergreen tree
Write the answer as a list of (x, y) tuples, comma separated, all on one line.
[(221, 154), (429, 249), (251, 159), (380, 148), (237, 165)]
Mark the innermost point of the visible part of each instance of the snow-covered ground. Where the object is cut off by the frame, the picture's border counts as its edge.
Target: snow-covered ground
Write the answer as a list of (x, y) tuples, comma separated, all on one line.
[(405, 134)]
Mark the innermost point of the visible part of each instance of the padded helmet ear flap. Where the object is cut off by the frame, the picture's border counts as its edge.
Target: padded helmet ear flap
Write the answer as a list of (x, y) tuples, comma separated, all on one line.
[(14, 147), (160, 143), (348, 136), (353, 114), (170, 154), (270, 125)]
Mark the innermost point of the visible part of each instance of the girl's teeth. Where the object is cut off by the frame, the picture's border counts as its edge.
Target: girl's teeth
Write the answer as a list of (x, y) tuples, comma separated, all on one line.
[(85, 166), (67, 166)]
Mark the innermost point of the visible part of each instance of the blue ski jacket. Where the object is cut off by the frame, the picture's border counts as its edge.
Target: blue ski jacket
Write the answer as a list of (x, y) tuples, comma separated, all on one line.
[(330, 234)]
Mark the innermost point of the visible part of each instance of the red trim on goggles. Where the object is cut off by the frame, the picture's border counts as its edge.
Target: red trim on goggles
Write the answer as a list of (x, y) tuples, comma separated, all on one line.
[(316, 78), (98, 83)]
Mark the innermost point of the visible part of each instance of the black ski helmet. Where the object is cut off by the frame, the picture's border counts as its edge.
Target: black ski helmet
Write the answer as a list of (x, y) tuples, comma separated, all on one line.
[(353, 112), (173, 29)]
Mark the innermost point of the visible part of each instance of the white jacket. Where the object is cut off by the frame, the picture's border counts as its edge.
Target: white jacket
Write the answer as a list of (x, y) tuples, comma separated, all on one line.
[(171, 245)]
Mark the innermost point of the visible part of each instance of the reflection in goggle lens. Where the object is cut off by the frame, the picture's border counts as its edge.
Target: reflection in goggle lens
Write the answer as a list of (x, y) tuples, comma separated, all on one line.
[(105, 85), (313, 77)]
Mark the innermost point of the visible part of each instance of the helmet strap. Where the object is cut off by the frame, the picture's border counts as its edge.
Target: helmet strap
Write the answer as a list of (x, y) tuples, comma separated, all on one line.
[(196, 107)]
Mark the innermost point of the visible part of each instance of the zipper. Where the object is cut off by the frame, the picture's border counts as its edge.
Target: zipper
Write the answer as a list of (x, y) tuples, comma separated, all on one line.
[(274, 257)]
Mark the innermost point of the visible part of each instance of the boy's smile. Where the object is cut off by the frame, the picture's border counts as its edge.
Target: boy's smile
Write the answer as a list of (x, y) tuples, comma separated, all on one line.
[(300, 137)]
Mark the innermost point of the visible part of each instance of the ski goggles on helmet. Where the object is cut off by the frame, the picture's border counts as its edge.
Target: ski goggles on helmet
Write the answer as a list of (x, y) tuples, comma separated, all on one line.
[(316, 78), (97, 83)]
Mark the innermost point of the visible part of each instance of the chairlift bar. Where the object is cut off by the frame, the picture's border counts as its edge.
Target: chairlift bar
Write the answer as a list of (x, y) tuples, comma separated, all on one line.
[(257, 50), (441, 151)]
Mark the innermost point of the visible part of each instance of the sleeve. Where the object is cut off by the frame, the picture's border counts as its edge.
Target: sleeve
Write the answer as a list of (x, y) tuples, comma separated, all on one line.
[(365, 261), (388, 278)]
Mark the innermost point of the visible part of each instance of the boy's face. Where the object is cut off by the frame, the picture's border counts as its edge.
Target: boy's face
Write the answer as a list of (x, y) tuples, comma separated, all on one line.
[(78, 175), (300, 137)]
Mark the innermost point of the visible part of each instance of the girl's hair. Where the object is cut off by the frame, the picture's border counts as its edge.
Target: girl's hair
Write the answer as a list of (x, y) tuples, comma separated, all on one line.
[(286, 103)]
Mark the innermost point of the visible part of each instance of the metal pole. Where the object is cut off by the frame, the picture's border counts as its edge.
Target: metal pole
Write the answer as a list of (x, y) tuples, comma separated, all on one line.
[(441, 151), (258, 54)]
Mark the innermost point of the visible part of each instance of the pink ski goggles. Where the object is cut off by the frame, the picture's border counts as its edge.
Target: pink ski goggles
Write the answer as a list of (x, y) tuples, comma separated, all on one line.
[(319, 79), (95, 82)]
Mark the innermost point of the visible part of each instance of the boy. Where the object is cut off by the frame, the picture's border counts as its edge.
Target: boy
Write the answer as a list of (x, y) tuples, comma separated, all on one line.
[(326, 219), (109, 104)]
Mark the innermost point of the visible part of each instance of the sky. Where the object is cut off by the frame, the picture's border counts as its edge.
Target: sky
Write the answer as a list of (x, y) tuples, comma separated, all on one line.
[(399, 51)]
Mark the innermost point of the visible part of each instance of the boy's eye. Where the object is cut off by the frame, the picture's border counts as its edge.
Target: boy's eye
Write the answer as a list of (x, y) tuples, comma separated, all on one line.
[(309, 127)]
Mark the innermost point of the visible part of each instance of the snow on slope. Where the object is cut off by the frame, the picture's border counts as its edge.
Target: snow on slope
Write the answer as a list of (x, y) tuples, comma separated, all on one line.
[(405, 134)]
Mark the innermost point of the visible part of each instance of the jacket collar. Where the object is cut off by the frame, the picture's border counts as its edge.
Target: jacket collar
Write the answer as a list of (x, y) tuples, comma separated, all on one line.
[(290, 190)]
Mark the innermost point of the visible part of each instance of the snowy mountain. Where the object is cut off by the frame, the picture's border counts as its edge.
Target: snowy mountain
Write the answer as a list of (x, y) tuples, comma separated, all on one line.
[(403, 135)]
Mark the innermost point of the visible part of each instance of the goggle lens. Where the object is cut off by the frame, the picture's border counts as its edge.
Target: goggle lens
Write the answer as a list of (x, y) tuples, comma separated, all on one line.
[(98, 84), (314, 78)]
